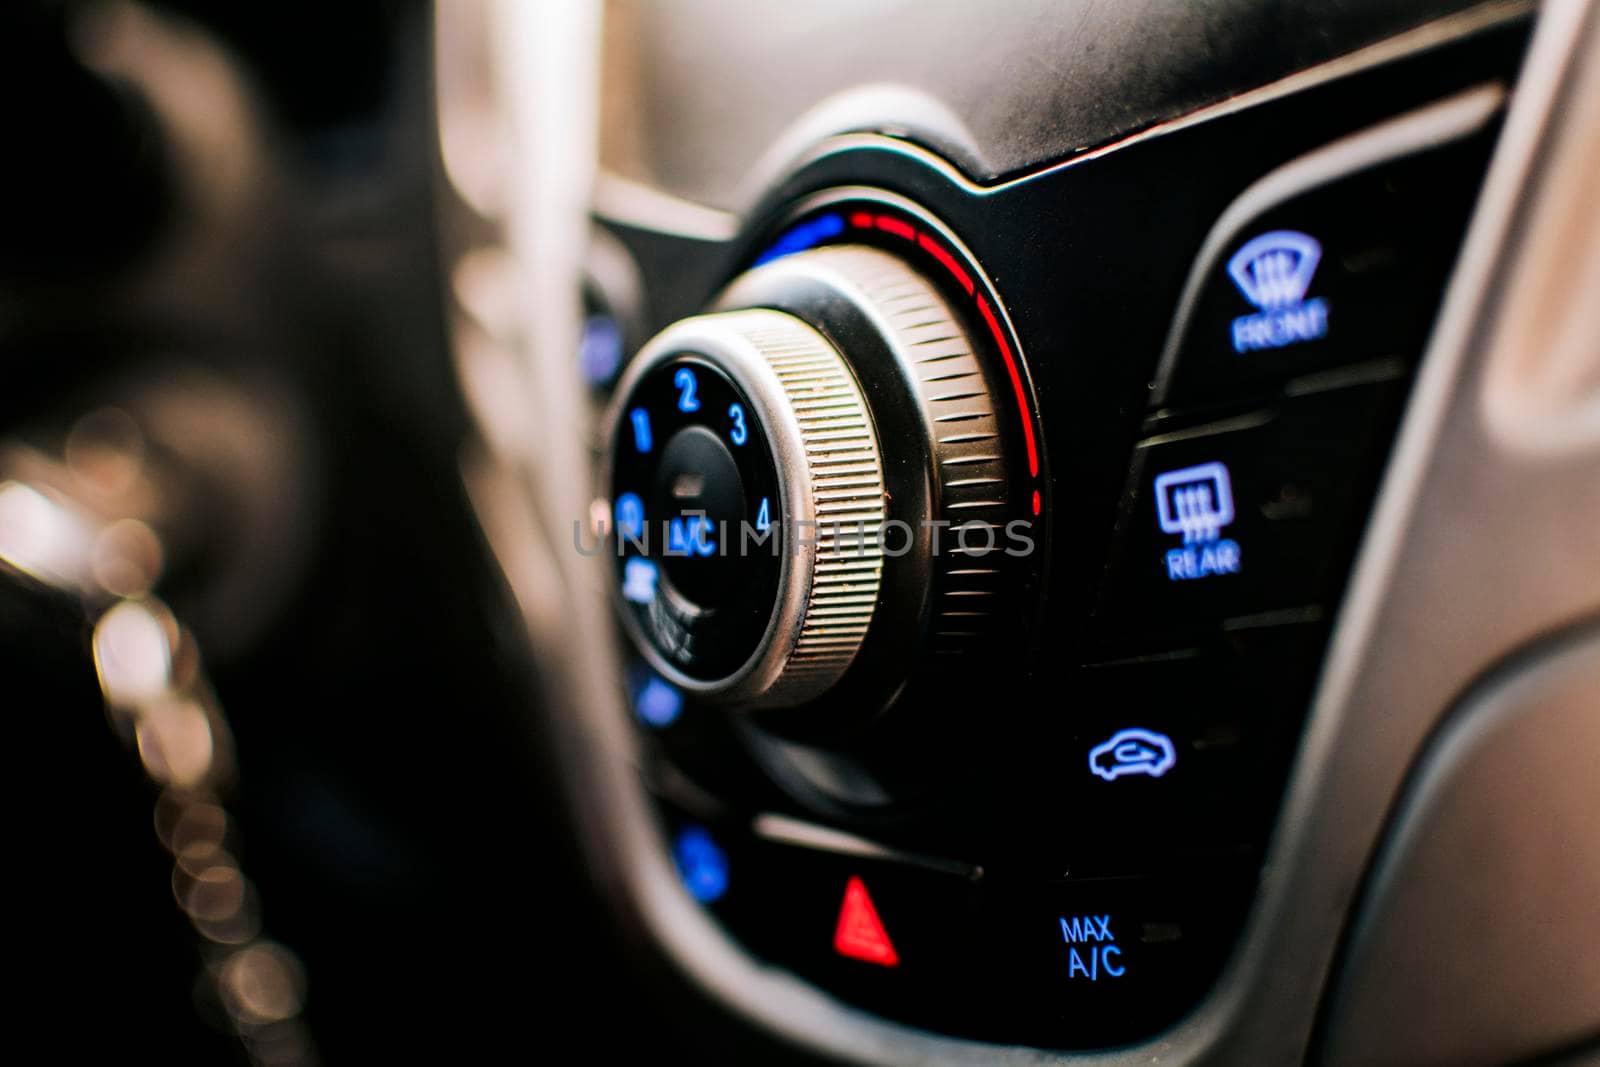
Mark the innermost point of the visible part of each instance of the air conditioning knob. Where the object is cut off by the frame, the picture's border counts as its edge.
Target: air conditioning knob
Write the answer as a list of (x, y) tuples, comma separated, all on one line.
[(809, 485)]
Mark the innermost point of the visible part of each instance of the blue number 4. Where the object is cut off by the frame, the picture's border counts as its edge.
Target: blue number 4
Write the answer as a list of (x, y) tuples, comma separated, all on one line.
[(686, 384), (740, 433)]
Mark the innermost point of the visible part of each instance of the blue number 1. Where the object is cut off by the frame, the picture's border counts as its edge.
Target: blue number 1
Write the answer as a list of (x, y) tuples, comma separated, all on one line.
[(739, 434), (684, 380), (641, 429)]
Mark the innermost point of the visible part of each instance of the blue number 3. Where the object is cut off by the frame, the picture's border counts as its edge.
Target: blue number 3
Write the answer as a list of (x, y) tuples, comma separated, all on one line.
[(739, 434), (684, 380)]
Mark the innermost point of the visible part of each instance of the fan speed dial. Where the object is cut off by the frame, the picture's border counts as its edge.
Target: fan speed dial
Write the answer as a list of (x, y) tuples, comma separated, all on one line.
[(810, 485)]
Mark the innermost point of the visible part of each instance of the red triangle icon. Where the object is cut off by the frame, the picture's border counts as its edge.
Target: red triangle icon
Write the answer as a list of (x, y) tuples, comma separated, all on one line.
[(860, 933)]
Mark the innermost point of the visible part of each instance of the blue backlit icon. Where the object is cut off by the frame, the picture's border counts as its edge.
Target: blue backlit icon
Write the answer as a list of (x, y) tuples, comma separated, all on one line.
[(600, 349), (1133, 751), (629, 516), (702, 864), (658, 703), (642, 438), (1196, 503), (687, 385), (690, 536), (639, 581), (1274, 271), (1092, 950)]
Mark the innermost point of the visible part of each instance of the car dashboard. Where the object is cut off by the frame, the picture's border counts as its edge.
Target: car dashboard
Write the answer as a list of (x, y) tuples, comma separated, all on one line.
[(864, 533)]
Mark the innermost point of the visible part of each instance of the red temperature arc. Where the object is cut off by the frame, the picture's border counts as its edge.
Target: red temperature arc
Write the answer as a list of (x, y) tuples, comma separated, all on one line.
[(866, 220)]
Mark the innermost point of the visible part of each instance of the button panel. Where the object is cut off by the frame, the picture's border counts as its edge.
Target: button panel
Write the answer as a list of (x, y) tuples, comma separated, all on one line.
[(1346, 272), (1175, 758), (988, 955), (1060, 849), (1104, 961), (1251, 515), (894, 936)]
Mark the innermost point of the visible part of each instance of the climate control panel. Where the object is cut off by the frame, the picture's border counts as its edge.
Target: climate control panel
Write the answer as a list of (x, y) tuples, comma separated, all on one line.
[(976, 547)]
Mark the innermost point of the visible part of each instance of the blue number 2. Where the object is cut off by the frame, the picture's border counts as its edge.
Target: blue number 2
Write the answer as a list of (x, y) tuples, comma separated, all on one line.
[(739, 434), (684, 380)]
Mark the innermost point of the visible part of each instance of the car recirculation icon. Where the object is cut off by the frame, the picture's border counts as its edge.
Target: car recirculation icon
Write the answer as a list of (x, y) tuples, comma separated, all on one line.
[(1133, 751)]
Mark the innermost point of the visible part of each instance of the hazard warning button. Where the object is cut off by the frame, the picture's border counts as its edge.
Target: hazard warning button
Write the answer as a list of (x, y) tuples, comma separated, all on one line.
[(860, 934), (893, 936)]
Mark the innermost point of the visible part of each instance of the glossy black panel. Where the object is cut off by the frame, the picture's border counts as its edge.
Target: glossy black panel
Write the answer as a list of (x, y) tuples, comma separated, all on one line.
[(999, 87)]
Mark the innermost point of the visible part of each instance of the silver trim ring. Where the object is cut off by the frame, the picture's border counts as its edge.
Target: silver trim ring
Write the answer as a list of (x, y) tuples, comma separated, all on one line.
[(830, 479)]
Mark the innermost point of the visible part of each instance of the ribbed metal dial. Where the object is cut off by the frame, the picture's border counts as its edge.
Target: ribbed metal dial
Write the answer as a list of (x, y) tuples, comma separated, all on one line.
[(838, 467), (913, 348), (802, 408), (834, 395)]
